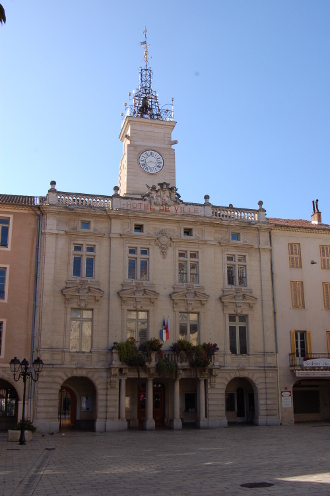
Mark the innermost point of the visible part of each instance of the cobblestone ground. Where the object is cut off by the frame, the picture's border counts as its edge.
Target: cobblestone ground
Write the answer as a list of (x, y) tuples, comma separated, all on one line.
[(295, 459)]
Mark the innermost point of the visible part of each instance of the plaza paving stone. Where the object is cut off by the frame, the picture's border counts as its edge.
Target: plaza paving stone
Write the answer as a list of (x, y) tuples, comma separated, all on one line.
[(295, 459)]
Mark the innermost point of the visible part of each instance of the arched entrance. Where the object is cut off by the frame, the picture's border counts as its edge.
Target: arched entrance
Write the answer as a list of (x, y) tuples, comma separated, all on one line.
[(311, 400), (8, 406), (240, 401), (77, 404)]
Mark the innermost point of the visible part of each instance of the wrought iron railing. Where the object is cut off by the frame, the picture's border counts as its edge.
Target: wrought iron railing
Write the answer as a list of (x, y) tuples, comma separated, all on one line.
[(297, 361)]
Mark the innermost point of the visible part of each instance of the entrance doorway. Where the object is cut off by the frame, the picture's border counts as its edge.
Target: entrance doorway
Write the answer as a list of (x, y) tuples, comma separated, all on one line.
[(158, 404), (77, 404), (240, 401), (67, 408)]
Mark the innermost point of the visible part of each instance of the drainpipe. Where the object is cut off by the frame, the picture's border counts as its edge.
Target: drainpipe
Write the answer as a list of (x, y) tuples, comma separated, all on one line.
[(35, 305), (275, 324)]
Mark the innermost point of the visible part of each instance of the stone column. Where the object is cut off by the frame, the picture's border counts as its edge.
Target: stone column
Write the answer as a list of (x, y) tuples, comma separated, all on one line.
[(201, 421), (175, 422), (149, 423)]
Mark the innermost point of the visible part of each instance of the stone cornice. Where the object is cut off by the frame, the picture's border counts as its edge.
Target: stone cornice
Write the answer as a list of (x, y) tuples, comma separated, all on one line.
[(309, 230)]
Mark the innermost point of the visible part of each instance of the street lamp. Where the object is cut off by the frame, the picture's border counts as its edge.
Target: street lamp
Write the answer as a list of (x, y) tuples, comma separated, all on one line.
[(22, 369)]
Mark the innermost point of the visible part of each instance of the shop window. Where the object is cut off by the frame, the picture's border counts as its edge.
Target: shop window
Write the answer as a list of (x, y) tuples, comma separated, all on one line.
[(294, 255), (7, 402), (188, 266), (238, 334), (81, 330), (138, 264), (306, 401), (137, 326), (188, 327)]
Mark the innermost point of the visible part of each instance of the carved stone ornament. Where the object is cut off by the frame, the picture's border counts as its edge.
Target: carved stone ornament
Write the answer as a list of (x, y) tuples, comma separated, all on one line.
[(165, 195), (189, 297), (238, 301), (82, 293), (137, 296), (164, 241)]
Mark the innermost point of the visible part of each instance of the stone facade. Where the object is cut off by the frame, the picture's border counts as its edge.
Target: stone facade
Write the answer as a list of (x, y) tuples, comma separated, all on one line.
[(301, 269)]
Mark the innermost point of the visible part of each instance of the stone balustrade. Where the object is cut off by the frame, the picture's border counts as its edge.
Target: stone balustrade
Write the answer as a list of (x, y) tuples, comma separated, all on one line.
[(228, 213), (84, 200)]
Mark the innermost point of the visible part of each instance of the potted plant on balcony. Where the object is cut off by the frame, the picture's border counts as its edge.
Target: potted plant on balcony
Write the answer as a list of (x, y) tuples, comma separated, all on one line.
[(129, 354)]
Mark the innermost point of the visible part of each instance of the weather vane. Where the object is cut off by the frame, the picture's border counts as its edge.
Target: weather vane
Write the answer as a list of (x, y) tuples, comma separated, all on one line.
[(145, 46)]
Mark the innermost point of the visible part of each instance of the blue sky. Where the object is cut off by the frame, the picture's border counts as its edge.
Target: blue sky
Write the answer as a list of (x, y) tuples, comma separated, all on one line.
[(250, 80)]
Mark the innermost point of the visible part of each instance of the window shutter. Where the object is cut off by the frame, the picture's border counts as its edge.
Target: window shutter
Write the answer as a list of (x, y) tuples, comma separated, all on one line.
[(328, 341), (300, 292), (293, 347), (294, 255), (309, 342), (326, 295)]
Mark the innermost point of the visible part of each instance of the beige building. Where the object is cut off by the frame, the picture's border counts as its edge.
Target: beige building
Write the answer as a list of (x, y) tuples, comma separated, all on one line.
[(118, 266), (19, 217), (301, 266)]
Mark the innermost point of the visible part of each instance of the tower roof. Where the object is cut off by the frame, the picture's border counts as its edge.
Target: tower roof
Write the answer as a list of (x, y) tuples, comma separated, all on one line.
[(145, 102)]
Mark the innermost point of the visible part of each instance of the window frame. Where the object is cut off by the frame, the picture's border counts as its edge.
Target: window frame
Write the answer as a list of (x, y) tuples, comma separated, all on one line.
[(188, 260), (138, 228), (238, 236), (85, 222), (81, 320), (2, 337), (325, 257), (137, 320), (294, 250), (236, 265), (8, 217), (84, 255), (297, 294), (189, 323), (138, 257), (6, 283), (187, 232), (237, 325)]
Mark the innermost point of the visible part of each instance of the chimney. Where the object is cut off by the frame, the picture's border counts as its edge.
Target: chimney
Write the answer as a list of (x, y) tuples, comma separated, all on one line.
[(316, 215)]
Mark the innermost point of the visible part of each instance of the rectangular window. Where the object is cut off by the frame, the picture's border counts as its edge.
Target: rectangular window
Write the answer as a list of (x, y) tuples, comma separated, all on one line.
[(325, 256), (81, 331), (235, 237), (4, 232), (236, 270), (188, 266), (294, 255), (85, 224), (326, 295), (2, 283), (238, 334), (297, 294), (188, 327), (138, 228), (138, 264), (137, 326), (187, 231), (301, 344), (83, 261)]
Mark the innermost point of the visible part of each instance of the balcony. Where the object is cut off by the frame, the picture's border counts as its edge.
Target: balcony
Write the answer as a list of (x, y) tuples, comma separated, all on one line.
[(311, 365)]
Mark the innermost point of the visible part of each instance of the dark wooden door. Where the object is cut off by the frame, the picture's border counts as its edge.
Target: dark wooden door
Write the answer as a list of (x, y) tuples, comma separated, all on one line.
[(158, 404), (240, 402)]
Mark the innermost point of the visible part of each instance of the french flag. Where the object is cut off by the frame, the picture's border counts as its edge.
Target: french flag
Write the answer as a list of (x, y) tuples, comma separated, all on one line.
[(165, 332)]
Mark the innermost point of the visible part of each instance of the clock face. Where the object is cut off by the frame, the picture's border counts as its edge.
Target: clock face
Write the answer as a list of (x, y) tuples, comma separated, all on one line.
[(151, 161)]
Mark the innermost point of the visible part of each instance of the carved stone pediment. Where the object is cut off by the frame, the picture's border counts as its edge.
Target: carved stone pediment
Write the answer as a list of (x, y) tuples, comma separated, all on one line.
[(238, 301), (137, 295), (189, 297), (82, 293)]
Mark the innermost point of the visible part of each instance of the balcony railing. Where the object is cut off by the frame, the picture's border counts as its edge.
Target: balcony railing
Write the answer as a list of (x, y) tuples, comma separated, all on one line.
[(228, 213), (83, 200), (311, 360)]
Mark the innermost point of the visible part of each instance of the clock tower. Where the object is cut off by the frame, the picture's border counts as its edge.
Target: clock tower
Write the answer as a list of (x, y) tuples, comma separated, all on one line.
[(148, 157)]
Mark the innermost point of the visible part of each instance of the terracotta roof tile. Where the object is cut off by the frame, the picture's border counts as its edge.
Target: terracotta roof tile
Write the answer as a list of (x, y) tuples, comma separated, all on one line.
[(297, 223), (21, 200)]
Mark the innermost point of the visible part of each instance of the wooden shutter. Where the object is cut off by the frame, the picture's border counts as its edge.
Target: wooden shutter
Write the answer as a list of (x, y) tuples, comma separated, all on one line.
[(293, 347), (328, 341), (326, 295), (297, 294), (294, 255), (309, 342), (325, 256)]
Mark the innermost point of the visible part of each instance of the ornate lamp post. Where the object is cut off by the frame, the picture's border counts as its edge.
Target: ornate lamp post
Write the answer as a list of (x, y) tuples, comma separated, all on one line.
[(22, 369)]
